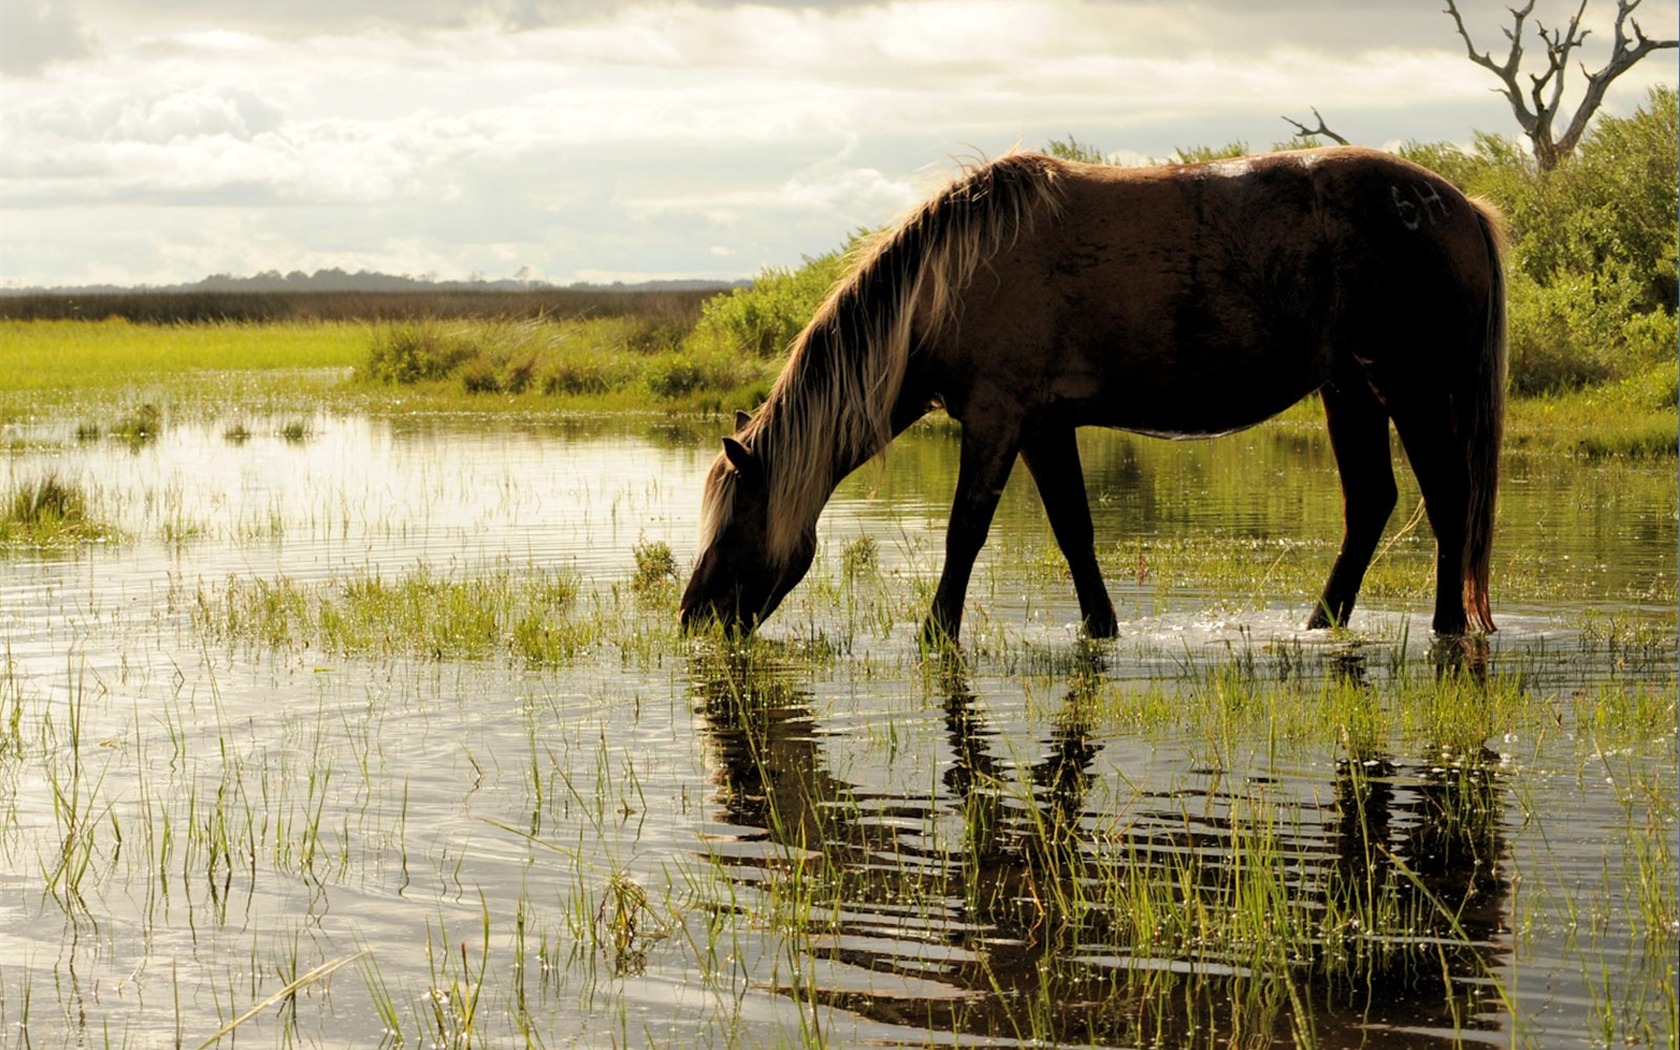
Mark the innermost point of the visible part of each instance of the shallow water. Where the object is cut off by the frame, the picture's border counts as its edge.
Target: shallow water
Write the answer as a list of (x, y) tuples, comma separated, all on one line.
[(827, 838)]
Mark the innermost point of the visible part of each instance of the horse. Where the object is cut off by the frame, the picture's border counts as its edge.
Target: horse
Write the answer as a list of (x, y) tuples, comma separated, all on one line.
[(1033, 295)]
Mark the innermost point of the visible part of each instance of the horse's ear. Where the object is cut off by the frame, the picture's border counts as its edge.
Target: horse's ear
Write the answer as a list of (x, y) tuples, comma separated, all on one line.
[(742, 459), (741, 420)]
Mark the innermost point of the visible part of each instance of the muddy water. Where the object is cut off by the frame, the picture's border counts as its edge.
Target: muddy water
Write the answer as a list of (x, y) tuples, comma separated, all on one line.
[(829, 839)]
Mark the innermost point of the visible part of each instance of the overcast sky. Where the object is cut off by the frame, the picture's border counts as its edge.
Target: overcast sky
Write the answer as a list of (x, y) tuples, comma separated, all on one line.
[(156, 141)]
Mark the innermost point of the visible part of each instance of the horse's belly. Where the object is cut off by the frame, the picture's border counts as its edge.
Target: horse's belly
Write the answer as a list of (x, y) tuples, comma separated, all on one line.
[(1203, 394)]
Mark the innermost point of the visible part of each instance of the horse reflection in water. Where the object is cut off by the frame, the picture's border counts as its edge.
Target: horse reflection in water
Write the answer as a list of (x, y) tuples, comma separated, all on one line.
[(1021, 930)]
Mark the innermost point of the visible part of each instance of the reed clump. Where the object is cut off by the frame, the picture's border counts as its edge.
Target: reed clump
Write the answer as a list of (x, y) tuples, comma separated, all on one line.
[(525, 615), (49, 511)]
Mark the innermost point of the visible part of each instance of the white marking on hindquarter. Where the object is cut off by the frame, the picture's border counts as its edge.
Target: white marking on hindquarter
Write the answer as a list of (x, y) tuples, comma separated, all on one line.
[(1413, 212)]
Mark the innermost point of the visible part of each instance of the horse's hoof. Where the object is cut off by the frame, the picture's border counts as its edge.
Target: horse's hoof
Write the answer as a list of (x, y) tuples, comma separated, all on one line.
[(1321, 620), (1102, 626), (1449, 628)]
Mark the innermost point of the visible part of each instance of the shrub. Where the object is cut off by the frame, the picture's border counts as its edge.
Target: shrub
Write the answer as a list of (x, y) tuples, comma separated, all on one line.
[(479, 377), (657, 335), (762, 320), (582, 372), (674, 375), (1592, 264), (415, 351)]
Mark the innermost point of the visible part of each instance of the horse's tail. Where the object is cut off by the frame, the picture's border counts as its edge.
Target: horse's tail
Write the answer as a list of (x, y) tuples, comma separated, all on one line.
[(1483, 423), (833, 403)]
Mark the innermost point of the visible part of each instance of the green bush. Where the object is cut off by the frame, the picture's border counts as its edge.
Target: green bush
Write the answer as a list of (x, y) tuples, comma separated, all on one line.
[(762, 320), (416, 351), (675, 375), (578, 370), (1592, 264)]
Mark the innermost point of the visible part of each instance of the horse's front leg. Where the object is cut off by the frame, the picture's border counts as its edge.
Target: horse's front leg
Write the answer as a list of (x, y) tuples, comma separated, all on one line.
[(1052, 455), (988, 454)]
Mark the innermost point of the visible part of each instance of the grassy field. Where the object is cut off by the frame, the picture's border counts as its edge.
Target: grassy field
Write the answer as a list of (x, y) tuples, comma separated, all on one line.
[(102, 369), (100, 372)]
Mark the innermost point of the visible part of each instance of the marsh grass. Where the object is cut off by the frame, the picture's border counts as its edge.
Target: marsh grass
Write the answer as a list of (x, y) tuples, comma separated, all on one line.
[(49, 512), (1224, 903), (1240, 903), (140, 427), (1637, 417), (524, 615), (1219, 843), (618, 360), (656, 569)]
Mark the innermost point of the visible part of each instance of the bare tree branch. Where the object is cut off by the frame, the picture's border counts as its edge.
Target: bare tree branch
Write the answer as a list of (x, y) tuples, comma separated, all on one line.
[(1623, 54), (1306, 132), (1536, 109), (1507, 70)]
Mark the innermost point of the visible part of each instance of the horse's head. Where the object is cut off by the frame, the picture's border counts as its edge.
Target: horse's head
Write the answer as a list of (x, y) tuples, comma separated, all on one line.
[(738, 579)]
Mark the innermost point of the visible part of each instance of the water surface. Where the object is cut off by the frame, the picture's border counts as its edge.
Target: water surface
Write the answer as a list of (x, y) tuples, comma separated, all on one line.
[(830, 837)]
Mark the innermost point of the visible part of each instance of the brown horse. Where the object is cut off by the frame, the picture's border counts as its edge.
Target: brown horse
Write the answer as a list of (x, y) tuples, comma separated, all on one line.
[(1033, 296)]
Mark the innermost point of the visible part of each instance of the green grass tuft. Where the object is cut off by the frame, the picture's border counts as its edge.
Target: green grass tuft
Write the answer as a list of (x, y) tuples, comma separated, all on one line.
[(48, 512)]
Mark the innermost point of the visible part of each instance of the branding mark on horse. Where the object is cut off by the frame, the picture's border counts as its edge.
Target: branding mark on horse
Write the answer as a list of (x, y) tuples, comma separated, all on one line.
[(1428, 202)]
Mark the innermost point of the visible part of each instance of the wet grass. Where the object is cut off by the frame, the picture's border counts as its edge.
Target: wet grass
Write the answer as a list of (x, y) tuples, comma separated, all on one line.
[(51, 513), (1101, 903), (1220, 889), (507, 802), (1635, 418), (525, 615)]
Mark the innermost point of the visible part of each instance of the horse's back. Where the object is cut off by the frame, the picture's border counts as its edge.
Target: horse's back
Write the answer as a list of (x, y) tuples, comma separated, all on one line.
[(1202, 298)]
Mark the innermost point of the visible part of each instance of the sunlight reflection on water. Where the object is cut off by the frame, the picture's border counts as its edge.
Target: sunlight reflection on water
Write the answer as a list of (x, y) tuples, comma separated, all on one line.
[(960, 844)]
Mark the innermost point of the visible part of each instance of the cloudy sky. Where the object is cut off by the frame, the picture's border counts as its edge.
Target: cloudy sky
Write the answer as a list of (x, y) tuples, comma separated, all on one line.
[(155, 141)]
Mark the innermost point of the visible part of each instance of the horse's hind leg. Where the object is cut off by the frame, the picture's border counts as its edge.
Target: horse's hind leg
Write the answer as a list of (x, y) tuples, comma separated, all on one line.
[(1359, 436), (988, 455), (1052, 455), (1443, 473)]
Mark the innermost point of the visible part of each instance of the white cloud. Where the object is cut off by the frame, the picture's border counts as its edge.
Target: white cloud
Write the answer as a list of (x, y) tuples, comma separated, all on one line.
[(642, 137), (39, 35), (851, 192)]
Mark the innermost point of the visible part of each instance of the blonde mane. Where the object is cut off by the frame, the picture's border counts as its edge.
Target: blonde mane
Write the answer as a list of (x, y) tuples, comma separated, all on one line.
[(831, 407)]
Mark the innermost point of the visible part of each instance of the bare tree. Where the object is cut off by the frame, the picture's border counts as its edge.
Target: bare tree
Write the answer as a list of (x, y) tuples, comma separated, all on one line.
[(1536, 106), (1322, 129)]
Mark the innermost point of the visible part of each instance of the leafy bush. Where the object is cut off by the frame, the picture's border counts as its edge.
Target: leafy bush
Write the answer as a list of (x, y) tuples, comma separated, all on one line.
[(763, 319), (1592, 263), (675, 375), (416, 351)]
